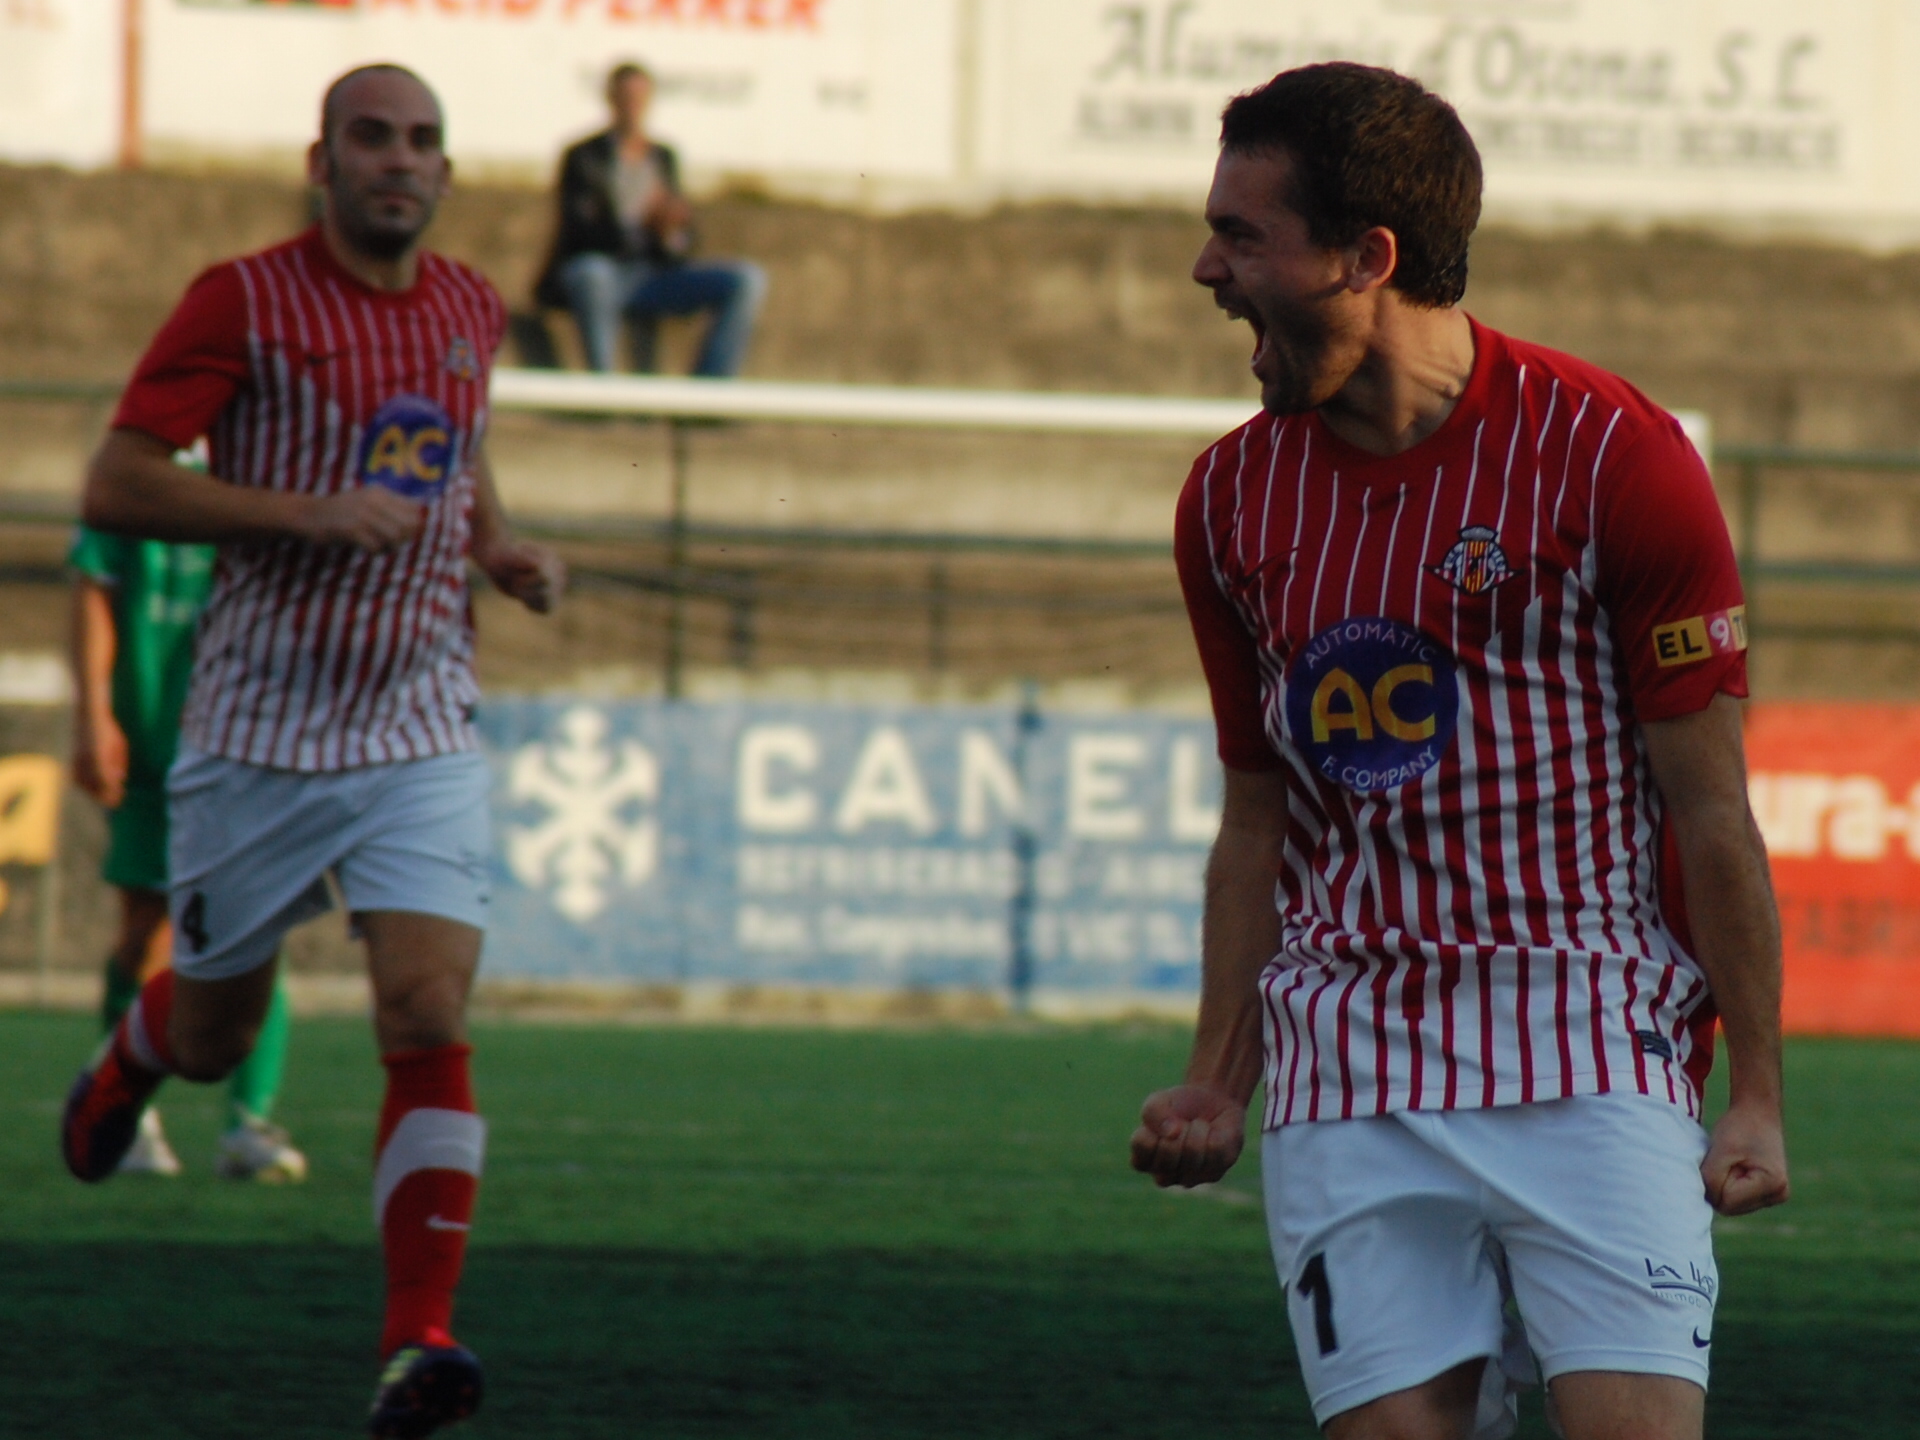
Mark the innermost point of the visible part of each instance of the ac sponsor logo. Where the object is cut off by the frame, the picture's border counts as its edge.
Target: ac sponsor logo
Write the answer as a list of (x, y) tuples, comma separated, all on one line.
[(1687, 642), (1372, 703), (409, 447), (1476, 563)]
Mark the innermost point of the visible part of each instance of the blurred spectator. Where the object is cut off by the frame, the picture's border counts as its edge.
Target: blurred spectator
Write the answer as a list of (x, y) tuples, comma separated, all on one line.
[(622, 250)]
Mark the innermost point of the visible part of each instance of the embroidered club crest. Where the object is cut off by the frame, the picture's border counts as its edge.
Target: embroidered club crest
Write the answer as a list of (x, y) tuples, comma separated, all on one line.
[(462, 362), (1476, 563)]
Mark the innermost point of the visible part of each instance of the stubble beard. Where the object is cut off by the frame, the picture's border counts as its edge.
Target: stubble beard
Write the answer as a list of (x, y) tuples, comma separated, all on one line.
[(370, 233), (1301, 345)]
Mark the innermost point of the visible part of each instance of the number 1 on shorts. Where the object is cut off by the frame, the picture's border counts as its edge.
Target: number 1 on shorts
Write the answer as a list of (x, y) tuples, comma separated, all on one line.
[(1314, 1285)]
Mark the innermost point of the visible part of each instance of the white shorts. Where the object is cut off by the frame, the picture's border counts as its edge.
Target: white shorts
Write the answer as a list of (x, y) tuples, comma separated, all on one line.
[(251, 847), (1407, 1242)]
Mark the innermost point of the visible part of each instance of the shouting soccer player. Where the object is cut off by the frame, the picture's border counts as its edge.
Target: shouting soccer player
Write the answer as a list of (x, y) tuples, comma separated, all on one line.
[(341, 379), (1486, 875)]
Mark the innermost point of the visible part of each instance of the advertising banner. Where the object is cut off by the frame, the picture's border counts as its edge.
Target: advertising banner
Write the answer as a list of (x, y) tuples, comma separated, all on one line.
[(936, 847), (1775, 111), (37, 807), (882, 848), (763, 87), (1764, 106), (982, 847), (59, 81), (1836, 791)]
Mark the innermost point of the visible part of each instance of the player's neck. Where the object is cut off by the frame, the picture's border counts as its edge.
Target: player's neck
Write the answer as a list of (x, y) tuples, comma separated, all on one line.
[(632, 139), (1416, 368), (395, 275)]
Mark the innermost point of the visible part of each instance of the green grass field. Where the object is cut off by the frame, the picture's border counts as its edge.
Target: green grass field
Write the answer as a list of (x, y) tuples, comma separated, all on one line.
[(809, 1234)]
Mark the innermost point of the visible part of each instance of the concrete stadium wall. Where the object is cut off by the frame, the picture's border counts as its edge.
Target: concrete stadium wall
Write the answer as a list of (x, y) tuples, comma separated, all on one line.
[(1789, 344), (1796, 345)]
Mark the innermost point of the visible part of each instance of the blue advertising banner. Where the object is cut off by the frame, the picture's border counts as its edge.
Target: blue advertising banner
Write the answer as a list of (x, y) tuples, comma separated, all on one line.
[(869, 846)]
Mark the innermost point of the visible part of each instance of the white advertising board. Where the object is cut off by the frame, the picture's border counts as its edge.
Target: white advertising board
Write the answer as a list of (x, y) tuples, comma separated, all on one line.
[(1642, 107), (1732, 111), (772, 88), (59, 81)]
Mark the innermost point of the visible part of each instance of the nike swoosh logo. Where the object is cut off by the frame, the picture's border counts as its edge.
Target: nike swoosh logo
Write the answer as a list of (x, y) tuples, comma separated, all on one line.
[(1698, 1343), (434, 1222)]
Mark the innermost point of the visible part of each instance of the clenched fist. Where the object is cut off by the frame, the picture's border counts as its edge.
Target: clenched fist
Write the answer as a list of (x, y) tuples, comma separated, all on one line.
[(367, 518), (1189, 1135), (532, 574)]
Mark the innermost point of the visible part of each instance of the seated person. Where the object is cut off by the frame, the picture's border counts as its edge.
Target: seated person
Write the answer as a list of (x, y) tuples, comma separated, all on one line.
[(624, 239)]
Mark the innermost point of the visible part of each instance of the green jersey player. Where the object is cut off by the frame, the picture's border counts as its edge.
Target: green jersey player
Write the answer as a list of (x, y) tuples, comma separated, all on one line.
[(135, 608)]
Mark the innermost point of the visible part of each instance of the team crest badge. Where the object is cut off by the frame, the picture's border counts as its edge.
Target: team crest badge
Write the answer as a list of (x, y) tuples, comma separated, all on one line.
[(463, 362), (1476, 563)]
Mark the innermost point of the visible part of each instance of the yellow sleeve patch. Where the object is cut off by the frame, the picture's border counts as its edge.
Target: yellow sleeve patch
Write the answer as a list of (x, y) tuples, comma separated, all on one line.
[(1687, 642)]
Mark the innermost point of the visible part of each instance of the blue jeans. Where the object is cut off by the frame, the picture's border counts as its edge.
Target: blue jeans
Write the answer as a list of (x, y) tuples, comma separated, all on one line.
[(603, 291)]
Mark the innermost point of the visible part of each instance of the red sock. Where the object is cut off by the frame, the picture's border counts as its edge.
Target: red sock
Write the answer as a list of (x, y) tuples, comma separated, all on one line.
[(140, 1039), (430, 1148)]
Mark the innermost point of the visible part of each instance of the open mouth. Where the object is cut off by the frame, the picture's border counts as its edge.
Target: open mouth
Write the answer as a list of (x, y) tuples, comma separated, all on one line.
[(1259, 341), (1237, 310)]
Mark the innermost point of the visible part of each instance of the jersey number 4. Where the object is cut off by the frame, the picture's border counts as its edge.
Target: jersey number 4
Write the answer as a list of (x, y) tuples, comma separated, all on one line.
[(193, 921), (1314, 1285)]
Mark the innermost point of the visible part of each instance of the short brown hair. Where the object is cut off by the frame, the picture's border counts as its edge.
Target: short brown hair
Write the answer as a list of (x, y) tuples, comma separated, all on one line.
[(1371, 147), (626, 70)]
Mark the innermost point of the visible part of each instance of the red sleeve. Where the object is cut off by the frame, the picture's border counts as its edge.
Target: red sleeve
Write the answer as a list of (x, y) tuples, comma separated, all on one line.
[(1667, 577), (194, 365), (1227, 652)]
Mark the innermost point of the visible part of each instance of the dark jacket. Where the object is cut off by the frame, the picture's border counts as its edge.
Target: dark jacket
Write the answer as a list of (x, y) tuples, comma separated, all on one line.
[(588, 223)]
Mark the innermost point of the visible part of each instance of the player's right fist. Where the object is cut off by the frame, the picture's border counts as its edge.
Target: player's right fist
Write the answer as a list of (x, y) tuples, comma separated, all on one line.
[(1745, 1168), (367, 518), (1189, 1135)]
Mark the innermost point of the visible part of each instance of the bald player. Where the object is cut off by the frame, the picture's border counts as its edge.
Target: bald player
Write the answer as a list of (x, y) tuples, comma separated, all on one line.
[(340, 379)]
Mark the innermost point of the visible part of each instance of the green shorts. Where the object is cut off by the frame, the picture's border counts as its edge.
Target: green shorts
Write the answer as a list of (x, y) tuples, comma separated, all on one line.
[(137, 840)]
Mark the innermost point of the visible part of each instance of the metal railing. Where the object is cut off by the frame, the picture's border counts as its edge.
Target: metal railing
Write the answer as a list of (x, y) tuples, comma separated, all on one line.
[(686, 405), (1749, 469), (685, 402)]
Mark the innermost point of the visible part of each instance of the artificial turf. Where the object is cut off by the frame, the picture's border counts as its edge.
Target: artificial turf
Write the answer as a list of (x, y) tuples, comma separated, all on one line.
[(731, 1233)]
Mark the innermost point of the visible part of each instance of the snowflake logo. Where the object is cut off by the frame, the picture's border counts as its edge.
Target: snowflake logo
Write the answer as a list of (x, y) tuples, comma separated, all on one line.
[(592, 835)]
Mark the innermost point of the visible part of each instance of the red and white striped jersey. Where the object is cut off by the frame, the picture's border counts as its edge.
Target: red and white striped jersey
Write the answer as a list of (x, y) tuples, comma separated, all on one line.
[(1446, 653), (303, 379)]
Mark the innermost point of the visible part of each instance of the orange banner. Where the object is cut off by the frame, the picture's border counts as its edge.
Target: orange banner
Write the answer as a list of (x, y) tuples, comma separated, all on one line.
[(1836, 789)]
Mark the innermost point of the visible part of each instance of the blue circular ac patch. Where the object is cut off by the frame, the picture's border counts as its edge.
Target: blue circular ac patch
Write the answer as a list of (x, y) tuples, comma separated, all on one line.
[(1372, 703), (408, 447)]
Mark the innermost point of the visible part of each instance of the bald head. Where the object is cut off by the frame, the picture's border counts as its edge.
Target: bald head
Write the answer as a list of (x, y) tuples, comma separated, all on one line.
[(380, 159), (338, 101)]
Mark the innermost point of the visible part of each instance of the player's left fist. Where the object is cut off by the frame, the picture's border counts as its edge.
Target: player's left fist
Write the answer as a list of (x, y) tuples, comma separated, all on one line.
[(529, 572), (1746, 1165)]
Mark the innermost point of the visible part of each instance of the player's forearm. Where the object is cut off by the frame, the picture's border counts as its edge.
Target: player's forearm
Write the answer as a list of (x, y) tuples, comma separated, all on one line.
[(1736, 937), (488, 522), (134, 488), (1699, 767), (92, 652), (1240, 931)]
